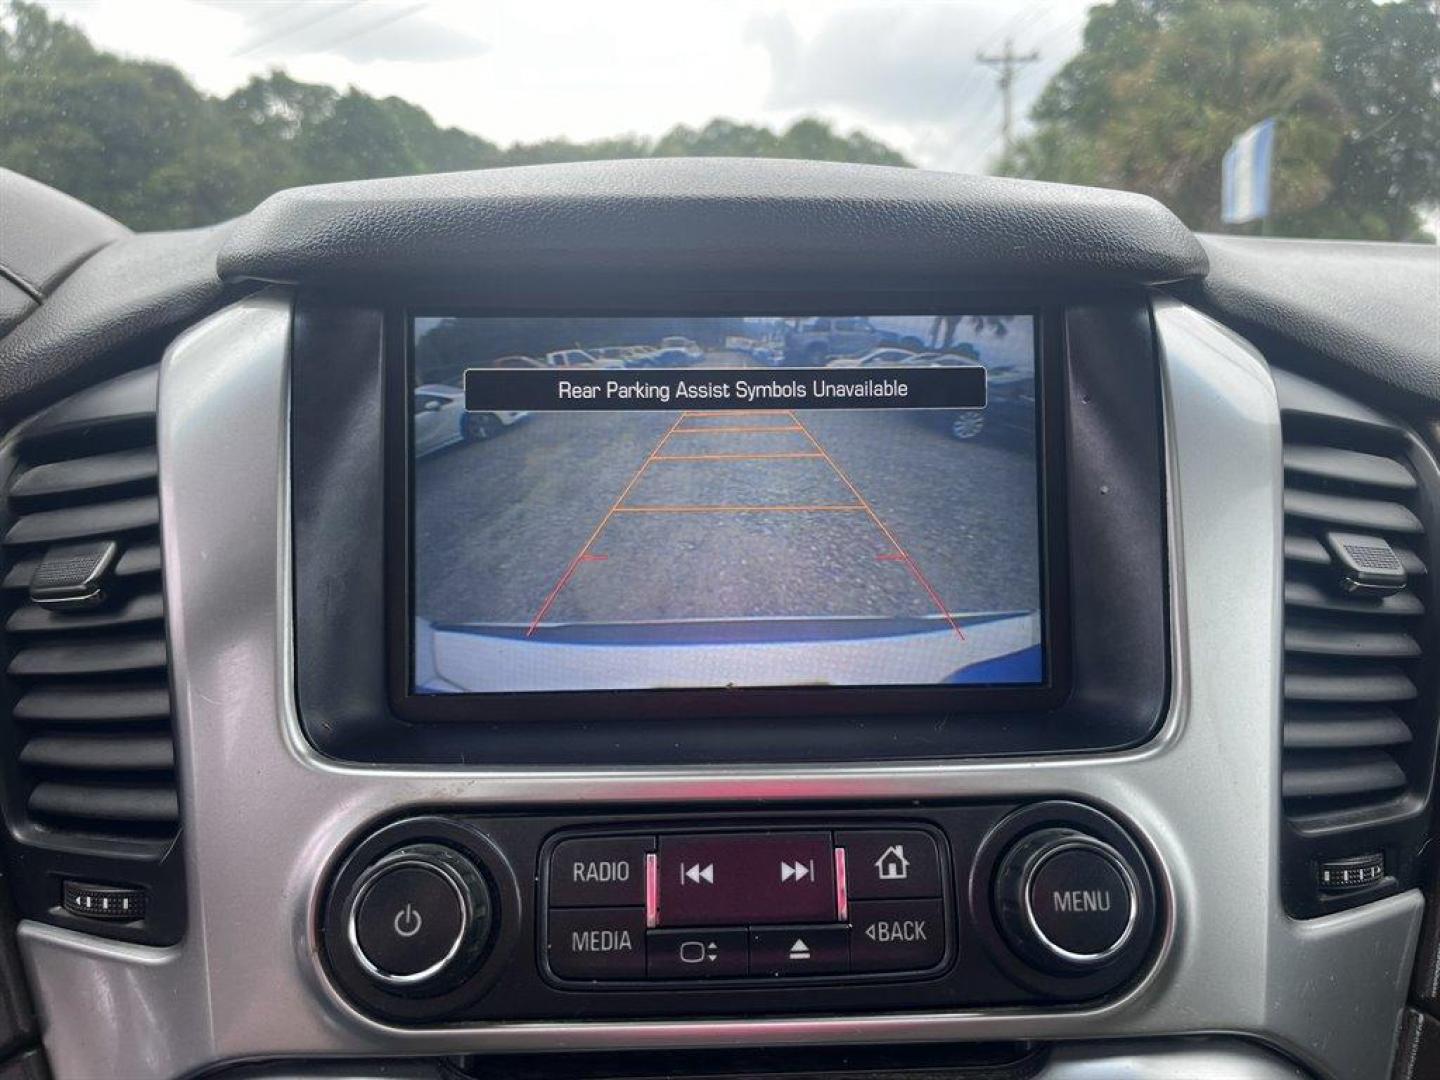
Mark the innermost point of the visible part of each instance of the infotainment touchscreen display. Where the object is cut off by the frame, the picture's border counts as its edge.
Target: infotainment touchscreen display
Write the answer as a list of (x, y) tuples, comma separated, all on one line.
[(660, 503)]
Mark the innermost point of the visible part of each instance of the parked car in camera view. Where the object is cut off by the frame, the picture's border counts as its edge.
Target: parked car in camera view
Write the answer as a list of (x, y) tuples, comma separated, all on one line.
[(874, 358), (582, 358), (818, 339), (440, 420), (675, 351), (1010, 397)]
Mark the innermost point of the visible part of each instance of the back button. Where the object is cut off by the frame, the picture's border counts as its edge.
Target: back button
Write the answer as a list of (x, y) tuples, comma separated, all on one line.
[(896, 935)]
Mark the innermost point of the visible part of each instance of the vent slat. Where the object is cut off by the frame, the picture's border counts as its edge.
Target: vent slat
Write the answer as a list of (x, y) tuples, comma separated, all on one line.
[(1306, 549), (1410, 561), (60, 704), (89, 658), (1342, 640), (87, 475), (105, 803), (1317, 775), (1363, 515), (1305, 594), (1343, 729), (1348, 466), (83, 522), (88, 753), (1343, 685), (138, 559), (34, 619)]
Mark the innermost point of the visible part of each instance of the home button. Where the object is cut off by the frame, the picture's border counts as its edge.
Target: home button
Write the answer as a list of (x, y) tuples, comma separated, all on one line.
[(890, 864)]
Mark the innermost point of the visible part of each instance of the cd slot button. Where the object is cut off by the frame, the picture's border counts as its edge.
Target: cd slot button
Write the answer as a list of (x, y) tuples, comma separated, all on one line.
[(785, 951)]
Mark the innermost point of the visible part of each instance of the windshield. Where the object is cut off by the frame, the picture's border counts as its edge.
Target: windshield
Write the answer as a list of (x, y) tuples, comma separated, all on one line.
[(1316, 118)]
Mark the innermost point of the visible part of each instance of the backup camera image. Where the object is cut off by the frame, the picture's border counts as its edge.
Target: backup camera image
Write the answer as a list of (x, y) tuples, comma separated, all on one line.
[(713, 502)]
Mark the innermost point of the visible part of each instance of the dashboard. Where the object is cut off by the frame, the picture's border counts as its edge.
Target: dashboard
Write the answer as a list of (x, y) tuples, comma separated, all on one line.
[(729, 618)]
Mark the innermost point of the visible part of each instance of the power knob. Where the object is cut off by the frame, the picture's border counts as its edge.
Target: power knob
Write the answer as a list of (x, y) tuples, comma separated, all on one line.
[(418, 920)]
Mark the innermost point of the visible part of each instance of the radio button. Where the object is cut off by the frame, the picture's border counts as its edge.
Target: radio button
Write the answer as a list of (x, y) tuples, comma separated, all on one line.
[(599, 943), (698, 954), (890, 864), (800, 950), (602, 872), (740, 878), (896, 935)]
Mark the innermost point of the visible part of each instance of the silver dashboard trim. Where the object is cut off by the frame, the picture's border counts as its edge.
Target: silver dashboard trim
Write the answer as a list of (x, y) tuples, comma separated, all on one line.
[(264, 815)]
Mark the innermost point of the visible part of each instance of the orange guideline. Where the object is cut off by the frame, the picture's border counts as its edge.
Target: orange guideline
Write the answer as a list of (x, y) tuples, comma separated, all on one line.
[(861, 505)]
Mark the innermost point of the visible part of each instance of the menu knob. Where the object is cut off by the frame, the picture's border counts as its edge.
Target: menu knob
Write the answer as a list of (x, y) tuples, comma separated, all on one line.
[(1066, 901)]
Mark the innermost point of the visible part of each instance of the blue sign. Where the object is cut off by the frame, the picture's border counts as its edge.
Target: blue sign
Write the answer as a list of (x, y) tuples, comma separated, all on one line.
[(1245, 175)]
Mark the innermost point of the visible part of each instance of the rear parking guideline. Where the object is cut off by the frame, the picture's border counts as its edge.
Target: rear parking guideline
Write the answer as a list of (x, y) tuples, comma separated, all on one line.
[(692, 423)]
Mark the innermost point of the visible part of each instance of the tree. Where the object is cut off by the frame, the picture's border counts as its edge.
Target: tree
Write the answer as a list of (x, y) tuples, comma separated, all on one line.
[(140, 142), (135, 139), (1160, 88)]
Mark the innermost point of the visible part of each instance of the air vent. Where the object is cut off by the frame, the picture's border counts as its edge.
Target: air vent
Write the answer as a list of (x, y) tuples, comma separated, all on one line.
[(1359, 721), (88, 677)]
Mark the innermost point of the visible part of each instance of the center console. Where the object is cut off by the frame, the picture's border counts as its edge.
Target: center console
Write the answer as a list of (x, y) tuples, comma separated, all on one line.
[(698, 552)]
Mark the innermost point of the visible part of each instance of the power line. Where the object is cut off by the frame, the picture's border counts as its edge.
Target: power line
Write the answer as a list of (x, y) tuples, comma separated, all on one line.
[(1007, 64), (366, 28), (310, 18)]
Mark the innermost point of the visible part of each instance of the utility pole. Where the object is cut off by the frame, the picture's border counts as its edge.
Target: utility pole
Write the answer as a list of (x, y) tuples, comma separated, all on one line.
[(1007, 64)]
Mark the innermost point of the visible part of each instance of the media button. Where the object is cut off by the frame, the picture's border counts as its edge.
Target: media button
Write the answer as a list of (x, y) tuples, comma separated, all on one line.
[(697, 954), (600, 872), (896, 935), (884, 864), (597, 943), (800, 950), (736, 879)]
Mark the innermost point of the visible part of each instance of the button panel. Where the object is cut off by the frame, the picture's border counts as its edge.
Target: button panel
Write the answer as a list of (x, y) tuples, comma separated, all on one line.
[(752, 906)]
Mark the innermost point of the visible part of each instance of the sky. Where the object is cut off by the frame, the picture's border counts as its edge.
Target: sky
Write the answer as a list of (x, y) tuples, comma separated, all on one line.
[(904, 71)]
